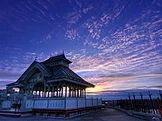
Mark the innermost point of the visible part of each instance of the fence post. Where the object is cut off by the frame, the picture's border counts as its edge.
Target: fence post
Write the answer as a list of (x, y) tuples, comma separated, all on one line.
[(159, 106), (135, 105), (143, 105), (130, 102), (152, 105), (160, 95)]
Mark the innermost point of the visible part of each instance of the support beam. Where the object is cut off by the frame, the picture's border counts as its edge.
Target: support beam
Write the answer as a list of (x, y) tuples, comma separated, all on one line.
[(57, 91)]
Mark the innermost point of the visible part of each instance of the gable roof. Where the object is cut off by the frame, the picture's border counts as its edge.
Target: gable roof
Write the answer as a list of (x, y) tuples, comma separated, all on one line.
[(63, 73), (35, 65), (29, 71)]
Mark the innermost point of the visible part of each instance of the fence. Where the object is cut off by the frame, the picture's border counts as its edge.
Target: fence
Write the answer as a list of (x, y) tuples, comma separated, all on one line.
[(149, 105)]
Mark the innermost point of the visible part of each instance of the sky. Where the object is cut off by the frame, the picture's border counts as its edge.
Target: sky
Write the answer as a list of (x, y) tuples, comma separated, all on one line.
[(113, 44)]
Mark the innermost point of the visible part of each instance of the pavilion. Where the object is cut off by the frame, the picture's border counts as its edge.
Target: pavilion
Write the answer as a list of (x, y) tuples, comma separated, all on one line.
[(49, 88)]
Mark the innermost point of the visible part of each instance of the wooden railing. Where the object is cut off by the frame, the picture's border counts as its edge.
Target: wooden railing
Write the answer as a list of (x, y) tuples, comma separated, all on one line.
[(53, 103), (62, 103)]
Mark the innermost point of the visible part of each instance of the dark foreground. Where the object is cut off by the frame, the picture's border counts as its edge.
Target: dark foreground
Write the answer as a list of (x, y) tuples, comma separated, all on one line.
[(102, 115)]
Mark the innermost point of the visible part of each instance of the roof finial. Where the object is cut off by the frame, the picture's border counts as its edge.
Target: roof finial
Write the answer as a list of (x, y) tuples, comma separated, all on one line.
[(63, 52), (36, 58)]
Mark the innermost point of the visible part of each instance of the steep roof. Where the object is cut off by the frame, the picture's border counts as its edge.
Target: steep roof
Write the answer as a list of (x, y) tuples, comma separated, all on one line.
[(64, 73), (28, 72), (57, 58)]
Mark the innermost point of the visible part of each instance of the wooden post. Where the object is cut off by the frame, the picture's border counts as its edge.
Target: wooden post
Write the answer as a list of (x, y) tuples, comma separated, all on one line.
[(85, 93), (160, 95), (69, 91), (62, 91), (130, 102), (143, 105), (66, 91), (160, 106), (135, 105), (151, 102), (81, 93), (148, 106), (57, 92), (48, 90), (77, 92), (39, 93), (52, 91), (44, 90)]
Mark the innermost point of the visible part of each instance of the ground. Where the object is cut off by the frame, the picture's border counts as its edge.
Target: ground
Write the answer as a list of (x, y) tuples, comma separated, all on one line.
[(108, 114)]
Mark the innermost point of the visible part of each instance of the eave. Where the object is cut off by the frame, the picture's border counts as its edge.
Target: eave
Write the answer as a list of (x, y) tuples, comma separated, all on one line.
[(86, 84)]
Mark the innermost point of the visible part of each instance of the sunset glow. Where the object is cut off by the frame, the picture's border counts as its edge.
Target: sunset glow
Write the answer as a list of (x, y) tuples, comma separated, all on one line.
[(95, 89)]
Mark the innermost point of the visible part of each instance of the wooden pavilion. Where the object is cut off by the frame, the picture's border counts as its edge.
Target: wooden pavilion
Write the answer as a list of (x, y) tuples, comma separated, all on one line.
[(50, 88)]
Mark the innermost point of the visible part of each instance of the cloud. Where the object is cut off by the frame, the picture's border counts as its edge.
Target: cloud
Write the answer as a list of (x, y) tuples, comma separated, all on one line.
[(71, 34), (115, 73), (9, 75)]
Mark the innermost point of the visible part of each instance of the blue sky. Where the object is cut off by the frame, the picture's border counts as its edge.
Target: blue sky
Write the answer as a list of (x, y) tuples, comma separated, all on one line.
[(114, 44)]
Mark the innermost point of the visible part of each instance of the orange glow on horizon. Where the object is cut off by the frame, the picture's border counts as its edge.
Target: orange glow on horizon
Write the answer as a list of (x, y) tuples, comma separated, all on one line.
[(97, 88)]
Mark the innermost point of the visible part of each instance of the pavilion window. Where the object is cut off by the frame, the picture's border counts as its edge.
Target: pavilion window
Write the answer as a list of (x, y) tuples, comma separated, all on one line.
[(16, 89)]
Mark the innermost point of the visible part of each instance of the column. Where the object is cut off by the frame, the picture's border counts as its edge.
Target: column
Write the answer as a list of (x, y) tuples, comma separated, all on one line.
[(74, 92), (85, 93), (69, 91), (44, 90), (81, 93), (57, 92), (36, 93), (48, 90), (62, 91), (77, 92), (32, 92), (39, 94), (65, 91), (52, 92)]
